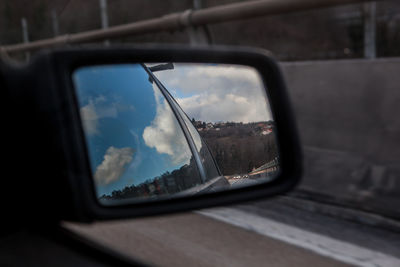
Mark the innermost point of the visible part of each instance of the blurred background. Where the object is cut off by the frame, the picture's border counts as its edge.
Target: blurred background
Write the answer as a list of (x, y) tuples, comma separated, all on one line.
[(329, 33), (341, 65)]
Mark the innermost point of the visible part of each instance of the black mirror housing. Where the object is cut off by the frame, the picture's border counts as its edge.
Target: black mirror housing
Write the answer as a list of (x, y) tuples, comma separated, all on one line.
[(64, 190)]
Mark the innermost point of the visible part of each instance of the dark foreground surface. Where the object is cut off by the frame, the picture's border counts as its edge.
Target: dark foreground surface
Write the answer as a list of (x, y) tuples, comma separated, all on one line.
[(196, 240), (265, 233)]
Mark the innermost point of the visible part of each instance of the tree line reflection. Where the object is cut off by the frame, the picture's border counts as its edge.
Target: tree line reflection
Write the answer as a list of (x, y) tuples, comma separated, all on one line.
[(239, 149)]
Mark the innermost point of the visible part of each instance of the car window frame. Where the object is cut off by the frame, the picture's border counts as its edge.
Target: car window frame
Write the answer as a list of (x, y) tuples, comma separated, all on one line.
[(204, 143), (181, 122)]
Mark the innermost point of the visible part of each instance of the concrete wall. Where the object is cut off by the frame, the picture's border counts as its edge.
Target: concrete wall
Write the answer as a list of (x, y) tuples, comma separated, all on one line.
[(348, 113)]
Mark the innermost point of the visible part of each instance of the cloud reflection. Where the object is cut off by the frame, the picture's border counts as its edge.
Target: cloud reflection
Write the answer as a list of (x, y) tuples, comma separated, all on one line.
[(218, 92), (113, 165), (164, 133)]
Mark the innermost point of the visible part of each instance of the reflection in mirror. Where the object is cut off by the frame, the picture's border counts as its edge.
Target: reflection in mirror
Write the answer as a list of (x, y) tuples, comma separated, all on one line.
[(165, 130)]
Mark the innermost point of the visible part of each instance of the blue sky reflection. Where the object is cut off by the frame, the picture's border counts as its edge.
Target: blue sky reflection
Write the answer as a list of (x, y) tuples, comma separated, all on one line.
[(131, 133)]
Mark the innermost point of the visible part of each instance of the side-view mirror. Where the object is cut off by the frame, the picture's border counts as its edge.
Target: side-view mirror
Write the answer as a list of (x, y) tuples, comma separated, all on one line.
[(144, 131)]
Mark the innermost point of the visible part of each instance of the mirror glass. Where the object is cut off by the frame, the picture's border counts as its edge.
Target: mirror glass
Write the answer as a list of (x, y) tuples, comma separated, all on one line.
[(161, 130)]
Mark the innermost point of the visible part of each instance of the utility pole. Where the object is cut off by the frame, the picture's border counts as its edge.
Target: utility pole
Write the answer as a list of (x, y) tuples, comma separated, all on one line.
[(104, 17), (370, 30), (198, 35), (54, 20), (197, 4), (25, 36), (24, 24)]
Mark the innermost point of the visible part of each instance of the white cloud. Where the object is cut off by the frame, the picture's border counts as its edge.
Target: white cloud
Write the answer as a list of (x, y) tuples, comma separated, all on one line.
[(89, 118), (230, 107), (113, 165), (164, 134), (190, 78), (97, 108), (218, 93)]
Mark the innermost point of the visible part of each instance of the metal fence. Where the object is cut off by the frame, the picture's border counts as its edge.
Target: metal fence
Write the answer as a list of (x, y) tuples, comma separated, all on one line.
[(189, 20)]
